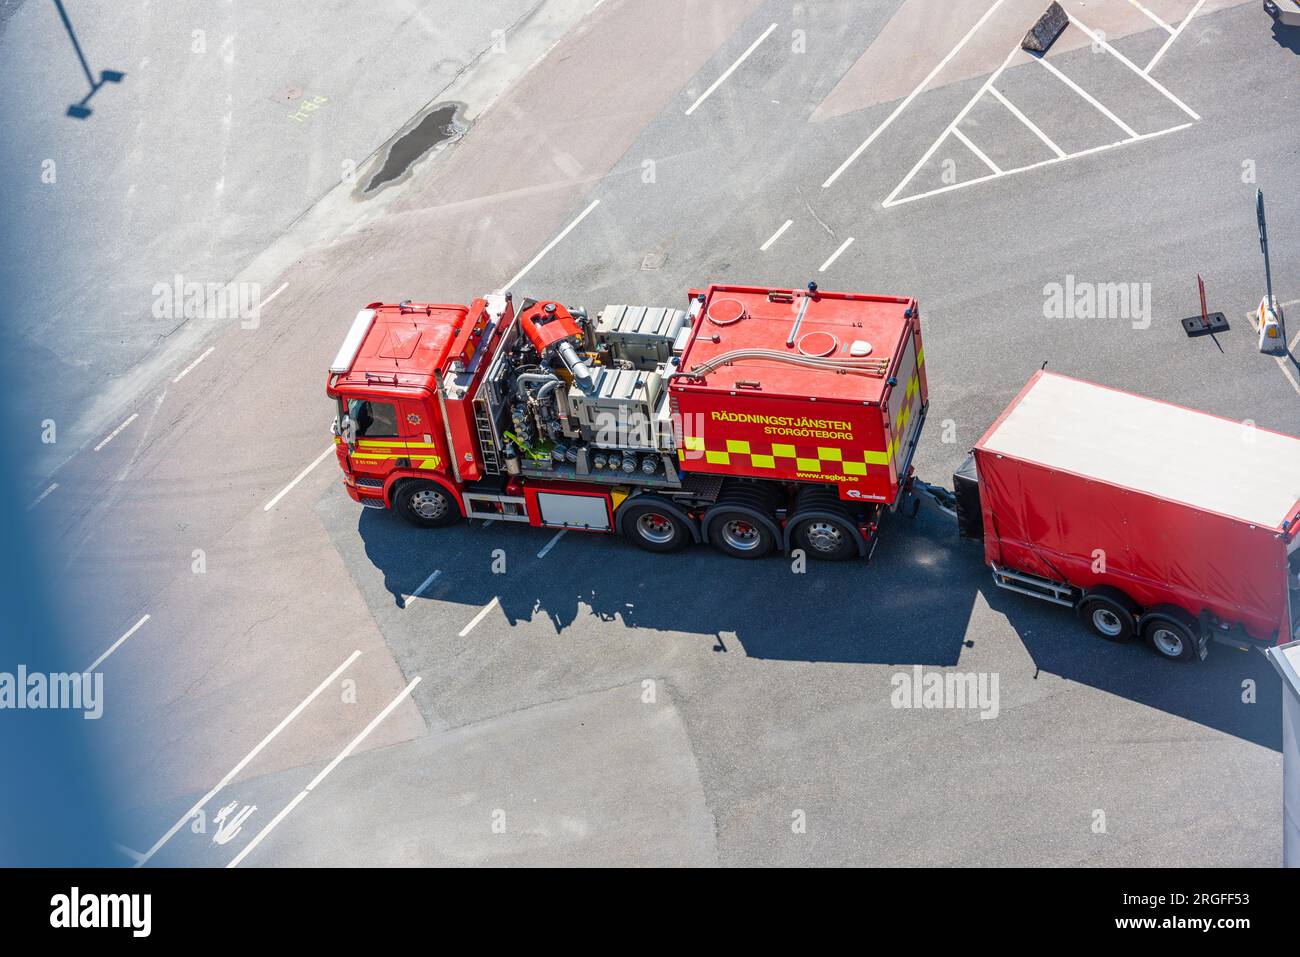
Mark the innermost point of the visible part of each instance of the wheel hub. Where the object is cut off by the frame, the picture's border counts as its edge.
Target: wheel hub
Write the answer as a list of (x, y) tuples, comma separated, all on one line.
[(655, 528), (1168, 642), (741, 535), (429, 504), (824, 536), (1107, 622)]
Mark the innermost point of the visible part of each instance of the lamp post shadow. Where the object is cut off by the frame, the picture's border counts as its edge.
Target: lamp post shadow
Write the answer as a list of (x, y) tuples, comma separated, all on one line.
[(81, 110)]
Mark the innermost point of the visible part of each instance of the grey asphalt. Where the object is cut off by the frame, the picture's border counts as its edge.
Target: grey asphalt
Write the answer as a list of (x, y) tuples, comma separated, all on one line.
[(772, 739)]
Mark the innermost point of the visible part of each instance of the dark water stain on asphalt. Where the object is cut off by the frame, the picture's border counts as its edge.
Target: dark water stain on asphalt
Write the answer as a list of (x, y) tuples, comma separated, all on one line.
[(439, 127)]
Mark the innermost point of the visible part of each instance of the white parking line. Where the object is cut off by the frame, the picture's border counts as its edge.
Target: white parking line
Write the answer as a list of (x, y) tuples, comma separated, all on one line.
[(1152, 15), (1100, 39), (40, 498), (113, 647), (731, 69), (1015, 111), (301, 475), (406, 599), (775, 236), (352, 746), (925, 157), (483, 613), (836, 255), (975, 149), (910, 97), (230, 776), (1024, 169), (552, 543), (267, 300), (134, 855), (112, 435), (549, 246), (1173, 36), (1087, 96), (190, 368)]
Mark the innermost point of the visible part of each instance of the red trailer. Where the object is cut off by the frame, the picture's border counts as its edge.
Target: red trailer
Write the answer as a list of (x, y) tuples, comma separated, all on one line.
[(1147, 517)]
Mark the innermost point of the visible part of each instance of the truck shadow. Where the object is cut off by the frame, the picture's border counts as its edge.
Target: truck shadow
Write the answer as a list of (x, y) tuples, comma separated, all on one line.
[(913, 605)]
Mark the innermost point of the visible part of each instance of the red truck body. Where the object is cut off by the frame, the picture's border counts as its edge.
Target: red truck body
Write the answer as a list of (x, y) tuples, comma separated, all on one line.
[(1093, 487)]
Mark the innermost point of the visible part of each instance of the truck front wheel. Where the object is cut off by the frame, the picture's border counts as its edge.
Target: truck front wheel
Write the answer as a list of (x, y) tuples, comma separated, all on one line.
[(426, 504)]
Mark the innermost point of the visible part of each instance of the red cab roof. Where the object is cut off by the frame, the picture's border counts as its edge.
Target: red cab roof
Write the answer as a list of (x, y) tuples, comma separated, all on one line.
[(404, 345)]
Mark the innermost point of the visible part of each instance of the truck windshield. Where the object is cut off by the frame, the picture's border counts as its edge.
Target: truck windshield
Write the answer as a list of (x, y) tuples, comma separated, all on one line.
[(373, 419)]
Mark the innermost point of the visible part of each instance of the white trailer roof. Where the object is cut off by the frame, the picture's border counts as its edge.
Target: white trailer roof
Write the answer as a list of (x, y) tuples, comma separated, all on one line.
[(1164, 450)]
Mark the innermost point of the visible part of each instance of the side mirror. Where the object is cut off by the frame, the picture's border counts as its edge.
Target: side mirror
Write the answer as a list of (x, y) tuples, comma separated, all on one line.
[(347, 428)]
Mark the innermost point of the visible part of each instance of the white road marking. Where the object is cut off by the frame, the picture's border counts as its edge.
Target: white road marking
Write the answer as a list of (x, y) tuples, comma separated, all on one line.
[(352, 746), (1155, 84), (134, 855), (1031, 166), (730, 70), (40, 498), (190, 368), (975, 149), (552, 543), (112, 435), (1173, 36), (889, 200), (230, 776), (910, 97), (775, 236), (406, 599), (549, 246), (265, 301), (483, 613), (1152, 15), (113, 647), (301, 475), (836, 255), (1015, 111), (1088, 96)]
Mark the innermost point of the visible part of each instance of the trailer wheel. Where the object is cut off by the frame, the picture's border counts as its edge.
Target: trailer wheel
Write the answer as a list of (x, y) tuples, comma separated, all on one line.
[(654, 528), (1109, 615), (1172, 636), (826, 537), (426, 504)]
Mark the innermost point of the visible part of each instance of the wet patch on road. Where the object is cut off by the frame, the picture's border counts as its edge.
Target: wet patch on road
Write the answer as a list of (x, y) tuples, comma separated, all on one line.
[(440, 126)]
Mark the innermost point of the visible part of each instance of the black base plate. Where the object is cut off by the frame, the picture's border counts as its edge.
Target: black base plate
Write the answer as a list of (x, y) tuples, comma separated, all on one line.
[(1195, 326)]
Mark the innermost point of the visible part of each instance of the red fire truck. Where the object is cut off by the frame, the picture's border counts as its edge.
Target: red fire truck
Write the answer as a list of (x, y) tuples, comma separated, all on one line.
[(753, 419), (761, 420)]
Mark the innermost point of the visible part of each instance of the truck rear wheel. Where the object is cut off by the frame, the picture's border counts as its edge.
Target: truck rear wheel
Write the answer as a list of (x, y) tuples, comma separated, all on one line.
[(654, 528), (1109, 614), (740, 534), (826, 537), (1172, 638), (426, 504)]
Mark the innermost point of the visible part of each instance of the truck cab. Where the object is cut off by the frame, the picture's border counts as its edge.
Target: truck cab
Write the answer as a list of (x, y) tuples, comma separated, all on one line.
[(388, 382)]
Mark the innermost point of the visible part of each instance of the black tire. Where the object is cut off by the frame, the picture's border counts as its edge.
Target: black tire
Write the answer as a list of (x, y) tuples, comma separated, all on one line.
[(826, 537), (1173, 638), (426, 504), (739, 533), (654, 528), (1109, 616)]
